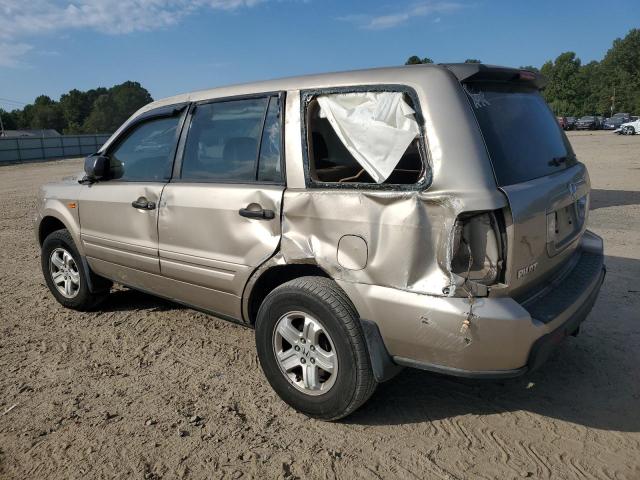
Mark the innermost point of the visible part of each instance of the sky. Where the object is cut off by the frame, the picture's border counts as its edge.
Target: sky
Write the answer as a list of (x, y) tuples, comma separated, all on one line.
[(174, 46)]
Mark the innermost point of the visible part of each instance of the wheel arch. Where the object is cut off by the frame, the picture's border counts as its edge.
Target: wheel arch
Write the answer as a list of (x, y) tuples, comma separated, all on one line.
[(49, 224), (269, 276), (276, 272)]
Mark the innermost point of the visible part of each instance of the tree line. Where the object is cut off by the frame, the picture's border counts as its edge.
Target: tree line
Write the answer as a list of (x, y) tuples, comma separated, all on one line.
[(99, 110), (596, 88), (573, 89)]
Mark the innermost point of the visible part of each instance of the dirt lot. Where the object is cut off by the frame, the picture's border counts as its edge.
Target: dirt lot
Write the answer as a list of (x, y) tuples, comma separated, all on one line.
[(147, 389)]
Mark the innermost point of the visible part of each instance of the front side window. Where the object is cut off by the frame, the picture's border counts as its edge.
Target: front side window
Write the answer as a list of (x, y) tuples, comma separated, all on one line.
[(146, 154), (234, 141)]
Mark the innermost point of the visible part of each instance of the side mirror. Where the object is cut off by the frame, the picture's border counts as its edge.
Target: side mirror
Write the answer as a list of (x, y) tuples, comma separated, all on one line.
[(96, 167)]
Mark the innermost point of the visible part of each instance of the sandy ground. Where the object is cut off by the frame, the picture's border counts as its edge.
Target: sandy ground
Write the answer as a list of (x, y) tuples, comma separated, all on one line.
[(147, 389)]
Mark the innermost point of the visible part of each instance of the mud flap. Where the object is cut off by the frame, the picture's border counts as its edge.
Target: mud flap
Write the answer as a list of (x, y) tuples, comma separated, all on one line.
[(95, 283), (384, 368)]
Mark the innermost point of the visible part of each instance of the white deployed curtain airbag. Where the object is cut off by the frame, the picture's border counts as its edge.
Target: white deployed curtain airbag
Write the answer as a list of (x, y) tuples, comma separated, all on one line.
[(376, 127)]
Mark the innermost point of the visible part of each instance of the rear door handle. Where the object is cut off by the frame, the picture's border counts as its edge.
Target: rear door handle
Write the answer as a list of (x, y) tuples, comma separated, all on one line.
[(259, 212), (143, 204)]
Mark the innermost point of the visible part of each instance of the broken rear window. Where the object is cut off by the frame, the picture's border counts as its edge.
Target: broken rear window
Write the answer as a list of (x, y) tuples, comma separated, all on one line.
[(364, 137)]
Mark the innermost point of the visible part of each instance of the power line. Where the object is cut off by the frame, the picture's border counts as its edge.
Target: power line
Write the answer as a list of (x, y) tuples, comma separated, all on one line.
[(8, 100)]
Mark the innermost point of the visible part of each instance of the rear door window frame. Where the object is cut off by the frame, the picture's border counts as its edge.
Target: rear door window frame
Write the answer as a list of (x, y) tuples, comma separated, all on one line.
[(308, 95), (177, 166)]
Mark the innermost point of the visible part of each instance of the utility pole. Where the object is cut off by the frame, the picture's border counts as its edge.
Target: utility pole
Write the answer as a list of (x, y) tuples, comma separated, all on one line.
[(1, 126), (613, 100)]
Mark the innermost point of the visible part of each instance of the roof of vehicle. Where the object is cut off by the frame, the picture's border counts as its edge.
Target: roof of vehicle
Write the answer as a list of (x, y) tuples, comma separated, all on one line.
[(385, 75)]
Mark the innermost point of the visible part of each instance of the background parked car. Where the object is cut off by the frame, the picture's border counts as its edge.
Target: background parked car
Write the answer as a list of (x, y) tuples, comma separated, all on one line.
[(614, 122), (588, 122), (571, 123), (630, 128)]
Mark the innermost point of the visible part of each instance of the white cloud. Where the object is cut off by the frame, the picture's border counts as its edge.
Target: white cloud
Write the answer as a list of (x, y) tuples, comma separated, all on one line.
[(21, 19), (10, 53), (397, 18)]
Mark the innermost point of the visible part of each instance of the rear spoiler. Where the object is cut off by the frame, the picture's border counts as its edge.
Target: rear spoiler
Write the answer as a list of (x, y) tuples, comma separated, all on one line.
[(479, 72)]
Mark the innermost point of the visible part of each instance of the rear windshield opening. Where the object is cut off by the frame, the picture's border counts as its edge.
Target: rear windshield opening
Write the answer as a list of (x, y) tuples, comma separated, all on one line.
[(330, 161), (523, 138)]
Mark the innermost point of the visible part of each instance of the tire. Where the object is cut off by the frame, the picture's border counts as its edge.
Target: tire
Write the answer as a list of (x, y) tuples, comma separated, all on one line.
[(320, 304), (67, 269)]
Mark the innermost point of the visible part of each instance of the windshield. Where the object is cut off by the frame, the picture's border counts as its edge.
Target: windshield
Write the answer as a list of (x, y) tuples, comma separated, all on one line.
[(522, 135), (587, 119)]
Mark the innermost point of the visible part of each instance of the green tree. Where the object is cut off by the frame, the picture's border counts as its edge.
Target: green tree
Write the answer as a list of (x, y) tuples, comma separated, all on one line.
[(112, 108), (415, 60), (9, 119), (97, 110), (48, 116), (590, 90), (76, 107), (575, 89), (563, 88), (45, 113), (620, 68), (24, 117)]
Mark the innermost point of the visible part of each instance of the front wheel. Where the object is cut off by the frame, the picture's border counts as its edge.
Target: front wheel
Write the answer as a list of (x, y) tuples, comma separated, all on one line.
[(64, 275), (312, 349)]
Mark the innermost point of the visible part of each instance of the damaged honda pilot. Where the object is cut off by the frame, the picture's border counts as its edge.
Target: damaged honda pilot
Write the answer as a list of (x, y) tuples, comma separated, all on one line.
[(430, 216)]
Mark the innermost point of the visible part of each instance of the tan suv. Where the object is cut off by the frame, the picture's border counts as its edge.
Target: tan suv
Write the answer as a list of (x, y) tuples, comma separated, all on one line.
[(425, 216)]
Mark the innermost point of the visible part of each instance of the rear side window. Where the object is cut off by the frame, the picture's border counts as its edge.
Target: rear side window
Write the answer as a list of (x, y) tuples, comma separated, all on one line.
[(363, 137), (146, 154), (522, 135), (227, 138)]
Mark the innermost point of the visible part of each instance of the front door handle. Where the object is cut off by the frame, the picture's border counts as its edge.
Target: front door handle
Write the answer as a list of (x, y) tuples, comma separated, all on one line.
[(143, 204), (256, 211)]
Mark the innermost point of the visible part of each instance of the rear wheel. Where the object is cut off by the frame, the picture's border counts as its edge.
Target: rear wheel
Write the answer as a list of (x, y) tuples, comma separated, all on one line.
[(64, 275), (312, 349)]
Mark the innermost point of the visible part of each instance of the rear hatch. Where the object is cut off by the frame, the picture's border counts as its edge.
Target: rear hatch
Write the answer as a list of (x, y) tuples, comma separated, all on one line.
[(536, 168)]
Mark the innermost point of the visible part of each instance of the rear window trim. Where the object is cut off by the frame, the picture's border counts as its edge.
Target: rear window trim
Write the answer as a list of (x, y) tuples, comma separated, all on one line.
[(307, 95)]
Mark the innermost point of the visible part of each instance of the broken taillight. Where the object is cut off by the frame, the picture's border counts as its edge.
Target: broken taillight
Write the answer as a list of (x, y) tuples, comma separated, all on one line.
[(476, 248)]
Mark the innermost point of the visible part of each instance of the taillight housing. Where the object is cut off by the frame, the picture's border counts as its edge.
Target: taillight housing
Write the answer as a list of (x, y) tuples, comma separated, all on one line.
[(476, 248)]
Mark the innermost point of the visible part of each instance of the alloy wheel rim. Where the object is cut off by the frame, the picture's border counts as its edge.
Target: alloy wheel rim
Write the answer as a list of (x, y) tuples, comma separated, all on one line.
[(64, 273), (305, 353)]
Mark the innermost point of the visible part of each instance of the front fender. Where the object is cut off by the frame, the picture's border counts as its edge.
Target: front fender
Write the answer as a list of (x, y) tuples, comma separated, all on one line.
[(62, 211)]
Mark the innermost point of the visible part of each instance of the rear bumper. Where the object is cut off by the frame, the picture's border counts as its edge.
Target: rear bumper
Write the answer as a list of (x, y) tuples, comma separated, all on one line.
[(545, 345), (506, 338)]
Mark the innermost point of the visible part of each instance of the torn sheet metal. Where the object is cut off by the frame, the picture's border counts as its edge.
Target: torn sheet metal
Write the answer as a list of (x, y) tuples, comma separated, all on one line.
[(376, 127), (404, 232)]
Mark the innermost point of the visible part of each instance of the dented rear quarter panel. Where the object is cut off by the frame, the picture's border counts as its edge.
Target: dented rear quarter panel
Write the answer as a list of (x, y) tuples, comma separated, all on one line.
[(407, 233), (406, 230)]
